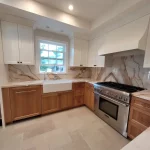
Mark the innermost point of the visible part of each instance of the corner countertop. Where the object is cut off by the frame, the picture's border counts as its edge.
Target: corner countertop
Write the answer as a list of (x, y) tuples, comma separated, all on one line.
[(41, 82), (139, 143), (143, 94)]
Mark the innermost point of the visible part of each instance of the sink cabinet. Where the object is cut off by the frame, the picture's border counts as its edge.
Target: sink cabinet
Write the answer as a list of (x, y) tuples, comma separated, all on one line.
[(25, 102), (66, 100), (53, 102), (50, 103)]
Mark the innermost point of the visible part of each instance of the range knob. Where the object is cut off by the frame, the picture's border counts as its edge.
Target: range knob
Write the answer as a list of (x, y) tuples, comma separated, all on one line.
[(120, 97), (126, 99)]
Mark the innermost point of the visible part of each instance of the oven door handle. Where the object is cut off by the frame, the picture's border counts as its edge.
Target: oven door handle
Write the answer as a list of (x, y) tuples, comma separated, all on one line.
[(110, 99)]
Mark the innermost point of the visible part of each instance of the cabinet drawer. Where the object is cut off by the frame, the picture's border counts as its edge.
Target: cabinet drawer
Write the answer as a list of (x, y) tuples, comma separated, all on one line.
[(78, 100), (134, 129), (140, 116), (78, 85), (79, 92), (140, 103)]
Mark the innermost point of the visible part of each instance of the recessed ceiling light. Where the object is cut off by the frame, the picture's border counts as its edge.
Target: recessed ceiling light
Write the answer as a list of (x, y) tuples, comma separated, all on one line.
[(70, 7)]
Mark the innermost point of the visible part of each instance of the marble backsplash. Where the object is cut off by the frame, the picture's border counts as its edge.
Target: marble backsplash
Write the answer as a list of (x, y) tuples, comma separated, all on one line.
[(127, 70), (17, 73)]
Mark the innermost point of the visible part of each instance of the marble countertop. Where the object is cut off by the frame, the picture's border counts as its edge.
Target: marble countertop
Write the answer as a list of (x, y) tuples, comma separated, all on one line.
[(41, 82), (143, 94), (139, 143)]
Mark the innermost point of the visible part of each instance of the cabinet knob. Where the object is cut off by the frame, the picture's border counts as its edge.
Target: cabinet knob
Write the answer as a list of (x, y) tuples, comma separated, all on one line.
[(21, 62), (94, 65), (81, 65), (18, 62)]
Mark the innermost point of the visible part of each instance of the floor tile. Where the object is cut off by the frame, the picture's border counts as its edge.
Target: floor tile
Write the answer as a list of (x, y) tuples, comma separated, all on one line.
[(75, 129), (57, 138), (39, 128)]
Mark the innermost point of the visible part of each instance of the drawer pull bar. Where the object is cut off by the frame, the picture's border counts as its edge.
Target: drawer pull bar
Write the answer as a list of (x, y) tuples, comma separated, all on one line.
[(25, 92)]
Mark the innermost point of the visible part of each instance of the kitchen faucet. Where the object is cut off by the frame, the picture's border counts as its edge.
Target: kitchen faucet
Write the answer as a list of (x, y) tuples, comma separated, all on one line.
[(56, 77), (45, 73)]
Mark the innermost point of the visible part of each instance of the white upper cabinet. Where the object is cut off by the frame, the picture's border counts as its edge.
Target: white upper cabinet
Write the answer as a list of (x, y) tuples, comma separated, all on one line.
[(79, 52), (84, 52), (10, 42), (94, 60), (26, 45), (17, 44)]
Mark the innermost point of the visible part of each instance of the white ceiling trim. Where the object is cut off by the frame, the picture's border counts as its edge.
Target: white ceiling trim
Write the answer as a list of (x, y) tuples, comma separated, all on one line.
[(119, 8), (48, 12)]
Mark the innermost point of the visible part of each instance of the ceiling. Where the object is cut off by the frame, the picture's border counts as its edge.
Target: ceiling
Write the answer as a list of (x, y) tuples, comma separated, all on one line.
[(86, 9)]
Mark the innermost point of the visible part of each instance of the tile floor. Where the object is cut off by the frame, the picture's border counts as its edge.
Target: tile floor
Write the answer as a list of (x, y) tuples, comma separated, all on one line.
[(76, 129)]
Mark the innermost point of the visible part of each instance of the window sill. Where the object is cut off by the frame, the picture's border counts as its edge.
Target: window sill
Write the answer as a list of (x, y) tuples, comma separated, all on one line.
[(63, 73)]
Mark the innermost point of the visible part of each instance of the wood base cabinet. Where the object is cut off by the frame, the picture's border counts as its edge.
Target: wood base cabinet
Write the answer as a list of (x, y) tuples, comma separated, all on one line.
[(66, 100), (134, 129), (89, 96), (25, 102), (28, 101), (139, 119), (53, 102), (78, 92), (50, 103)]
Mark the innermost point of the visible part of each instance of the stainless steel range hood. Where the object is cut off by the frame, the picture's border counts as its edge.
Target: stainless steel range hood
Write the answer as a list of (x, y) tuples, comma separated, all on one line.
[(128, 39)]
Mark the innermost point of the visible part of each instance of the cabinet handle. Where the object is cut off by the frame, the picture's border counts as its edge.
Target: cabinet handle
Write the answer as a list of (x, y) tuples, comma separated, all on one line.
[(25, 92), (81, 65), (94, 65)]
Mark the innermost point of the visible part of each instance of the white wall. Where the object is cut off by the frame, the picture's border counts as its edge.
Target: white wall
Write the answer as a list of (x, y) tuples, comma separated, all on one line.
[(3, 74)]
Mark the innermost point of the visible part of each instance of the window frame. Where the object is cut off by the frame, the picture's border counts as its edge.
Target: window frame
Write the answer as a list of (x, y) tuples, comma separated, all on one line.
[(57, 43)]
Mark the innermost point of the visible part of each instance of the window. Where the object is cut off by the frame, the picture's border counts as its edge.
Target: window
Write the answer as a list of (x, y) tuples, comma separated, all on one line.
[(52, 57)]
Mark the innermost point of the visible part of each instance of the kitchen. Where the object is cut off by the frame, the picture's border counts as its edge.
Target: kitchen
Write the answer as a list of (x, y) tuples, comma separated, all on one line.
[(74, 79)]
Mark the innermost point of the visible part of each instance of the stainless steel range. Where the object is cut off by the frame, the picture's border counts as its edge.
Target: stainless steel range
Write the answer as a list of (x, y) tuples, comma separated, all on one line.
[(112, 103)]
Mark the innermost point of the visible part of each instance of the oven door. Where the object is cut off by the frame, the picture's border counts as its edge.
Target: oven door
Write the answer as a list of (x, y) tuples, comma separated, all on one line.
[(112, 112)]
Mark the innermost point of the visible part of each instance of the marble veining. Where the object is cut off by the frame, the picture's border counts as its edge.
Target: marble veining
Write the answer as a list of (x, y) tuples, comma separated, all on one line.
[(19, 73), (128, 70)]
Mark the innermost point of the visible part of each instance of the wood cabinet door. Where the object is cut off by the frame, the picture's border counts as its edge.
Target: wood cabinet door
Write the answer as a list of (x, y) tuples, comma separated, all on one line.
[(134, 129), (139, 116), (66, 99), (10, 42), (89, 96), (78, 100), (50, 103), (25, 102), (26, 46)]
